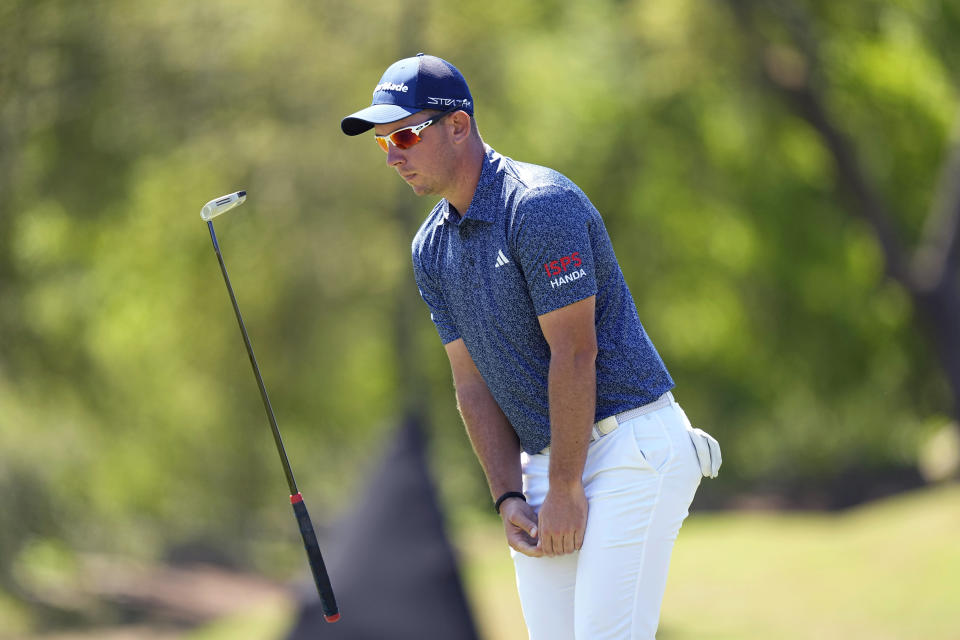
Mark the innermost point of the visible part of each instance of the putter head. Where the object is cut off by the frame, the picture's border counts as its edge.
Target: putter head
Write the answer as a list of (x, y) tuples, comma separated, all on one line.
[(222, 204)]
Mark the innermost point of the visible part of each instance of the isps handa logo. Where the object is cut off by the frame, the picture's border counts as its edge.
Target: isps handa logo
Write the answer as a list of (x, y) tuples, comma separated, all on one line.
[(570, 265)]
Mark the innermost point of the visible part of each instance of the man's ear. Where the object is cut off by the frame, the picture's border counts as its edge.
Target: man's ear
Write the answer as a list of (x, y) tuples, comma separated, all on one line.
[(461, 125)]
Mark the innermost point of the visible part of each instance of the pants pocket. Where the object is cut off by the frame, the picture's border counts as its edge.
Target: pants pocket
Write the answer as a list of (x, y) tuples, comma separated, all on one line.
[(651, 440)]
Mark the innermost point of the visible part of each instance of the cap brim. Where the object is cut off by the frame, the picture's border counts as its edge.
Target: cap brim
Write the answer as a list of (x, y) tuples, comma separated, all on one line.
[(364, 119)]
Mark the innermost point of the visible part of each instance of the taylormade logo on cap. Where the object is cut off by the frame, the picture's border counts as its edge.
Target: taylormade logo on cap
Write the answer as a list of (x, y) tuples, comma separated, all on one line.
[(391, 86)]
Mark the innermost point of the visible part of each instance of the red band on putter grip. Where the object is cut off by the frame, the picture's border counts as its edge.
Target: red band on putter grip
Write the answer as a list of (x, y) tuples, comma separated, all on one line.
[(294, 499), (332, 618)]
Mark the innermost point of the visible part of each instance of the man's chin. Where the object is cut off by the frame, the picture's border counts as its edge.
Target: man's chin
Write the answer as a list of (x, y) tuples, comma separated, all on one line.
[(421, 190)]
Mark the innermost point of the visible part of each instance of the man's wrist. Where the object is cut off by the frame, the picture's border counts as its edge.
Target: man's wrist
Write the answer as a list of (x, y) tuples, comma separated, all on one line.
[(506, 496), (566, 487)]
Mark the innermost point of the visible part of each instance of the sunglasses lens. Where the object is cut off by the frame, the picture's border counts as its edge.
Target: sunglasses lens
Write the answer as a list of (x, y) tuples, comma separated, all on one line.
[(404, 139), (382, 142)]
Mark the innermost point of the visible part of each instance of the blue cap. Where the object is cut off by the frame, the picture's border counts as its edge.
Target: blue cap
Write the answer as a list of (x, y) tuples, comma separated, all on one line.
[(408, 86)]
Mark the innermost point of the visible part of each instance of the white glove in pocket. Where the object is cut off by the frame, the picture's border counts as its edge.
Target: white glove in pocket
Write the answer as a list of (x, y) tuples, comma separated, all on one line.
[(708, 452)]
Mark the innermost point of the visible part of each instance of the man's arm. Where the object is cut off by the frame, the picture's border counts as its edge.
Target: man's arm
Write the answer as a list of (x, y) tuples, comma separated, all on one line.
[(496, 445), (571, 333)]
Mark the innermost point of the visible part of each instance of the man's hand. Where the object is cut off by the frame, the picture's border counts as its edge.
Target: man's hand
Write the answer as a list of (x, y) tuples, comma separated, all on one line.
[(520, 525), (563, 521)]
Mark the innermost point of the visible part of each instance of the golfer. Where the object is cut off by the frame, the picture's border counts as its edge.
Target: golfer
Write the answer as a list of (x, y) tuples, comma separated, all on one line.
[(591, 463)]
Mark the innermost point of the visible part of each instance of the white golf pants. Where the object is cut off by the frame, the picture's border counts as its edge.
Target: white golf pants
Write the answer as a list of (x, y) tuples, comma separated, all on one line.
[(639, 480)]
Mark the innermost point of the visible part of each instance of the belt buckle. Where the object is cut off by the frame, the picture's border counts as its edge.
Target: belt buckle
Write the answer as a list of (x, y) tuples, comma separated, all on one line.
[(606, 425), (599, 429)]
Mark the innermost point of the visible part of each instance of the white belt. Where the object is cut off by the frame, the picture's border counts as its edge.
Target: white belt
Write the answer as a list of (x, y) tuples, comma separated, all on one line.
[(610, 423)]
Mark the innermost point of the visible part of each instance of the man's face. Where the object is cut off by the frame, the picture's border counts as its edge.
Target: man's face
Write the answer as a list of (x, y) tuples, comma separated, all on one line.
[(426, 166)]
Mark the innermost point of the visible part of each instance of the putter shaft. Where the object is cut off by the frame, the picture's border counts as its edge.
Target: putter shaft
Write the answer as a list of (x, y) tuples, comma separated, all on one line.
[(256, 369)]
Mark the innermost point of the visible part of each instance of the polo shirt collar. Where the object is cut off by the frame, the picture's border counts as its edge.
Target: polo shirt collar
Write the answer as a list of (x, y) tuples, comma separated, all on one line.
[(480, 208)]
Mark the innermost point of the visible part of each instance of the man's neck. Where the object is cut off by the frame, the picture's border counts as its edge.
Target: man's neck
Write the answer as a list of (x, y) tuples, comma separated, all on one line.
[(469, 177)]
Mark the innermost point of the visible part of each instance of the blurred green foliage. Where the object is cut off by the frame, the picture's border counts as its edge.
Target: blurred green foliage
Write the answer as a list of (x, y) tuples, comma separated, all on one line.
[(129, 420)]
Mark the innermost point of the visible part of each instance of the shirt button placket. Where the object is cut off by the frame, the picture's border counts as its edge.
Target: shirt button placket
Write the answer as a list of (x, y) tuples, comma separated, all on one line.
[(476, 278)]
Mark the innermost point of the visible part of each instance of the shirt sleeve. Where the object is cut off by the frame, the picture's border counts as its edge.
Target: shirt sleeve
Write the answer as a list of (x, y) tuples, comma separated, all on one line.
[(553, 247), (433, 296)]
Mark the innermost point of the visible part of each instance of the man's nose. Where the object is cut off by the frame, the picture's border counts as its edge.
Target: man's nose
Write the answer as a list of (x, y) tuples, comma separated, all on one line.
[(394, 155)]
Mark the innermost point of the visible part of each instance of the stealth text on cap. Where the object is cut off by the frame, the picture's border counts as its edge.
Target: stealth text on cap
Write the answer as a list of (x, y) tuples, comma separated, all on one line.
[(391, 86), (448, 102)]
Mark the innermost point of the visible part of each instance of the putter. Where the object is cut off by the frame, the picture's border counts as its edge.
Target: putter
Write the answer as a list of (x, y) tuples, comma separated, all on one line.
[(328, 603)]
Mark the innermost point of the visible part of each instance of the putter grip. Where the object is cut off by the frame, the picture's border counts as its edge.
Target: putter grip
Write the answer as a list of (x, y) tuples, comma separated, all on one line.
[(327, 602)]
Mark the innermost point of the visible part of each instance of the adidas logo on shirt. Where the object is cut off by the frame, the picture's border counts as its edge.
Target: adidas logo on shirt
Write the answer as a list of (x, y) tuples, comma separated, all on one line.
[(501, 259)]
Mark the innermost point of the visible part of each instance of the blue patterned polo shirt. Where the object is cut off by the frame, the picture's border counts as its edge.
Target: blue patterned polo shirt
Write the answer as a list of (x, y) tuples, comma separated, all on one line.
[(531, 242)]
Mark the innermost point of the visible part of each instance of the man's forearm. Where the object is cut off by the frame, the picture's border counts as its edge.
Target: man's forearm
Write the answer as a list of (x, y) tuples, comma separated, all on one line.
[(573, 397), (493, 439)]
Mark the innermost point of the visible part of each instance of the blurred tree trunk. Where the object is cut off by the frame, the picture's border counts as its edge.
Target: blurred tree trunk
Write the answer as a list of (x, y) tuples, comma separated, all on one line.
[(929, 271)]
